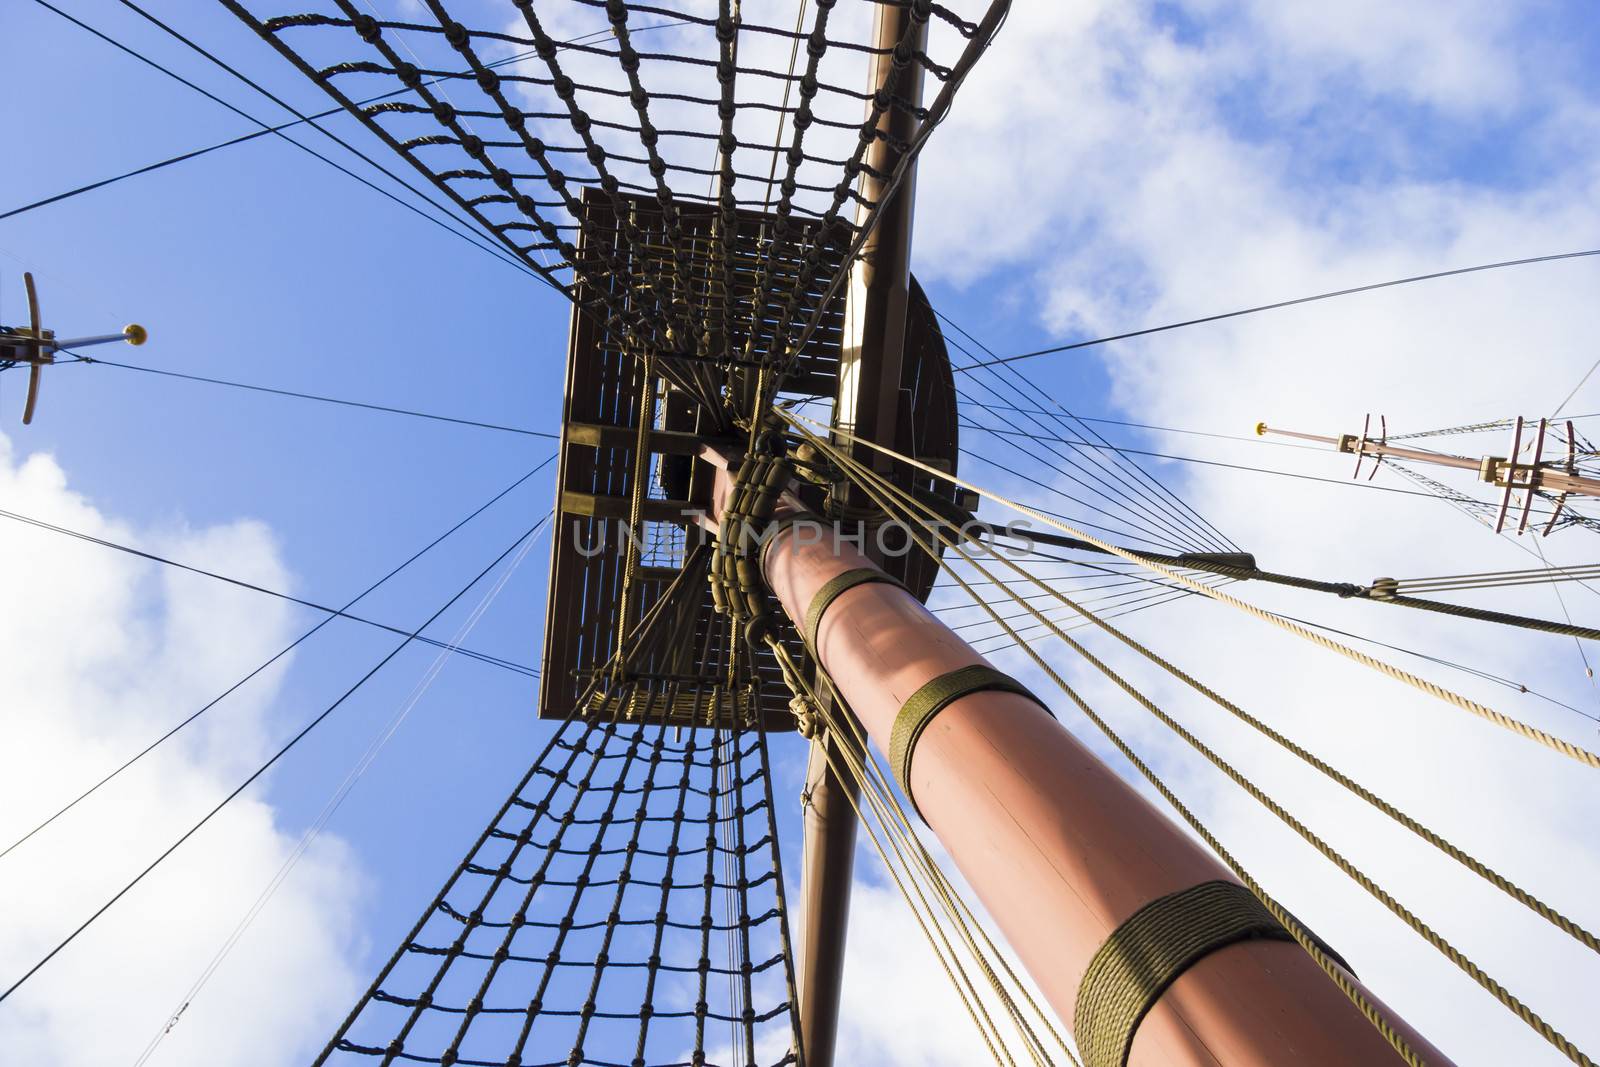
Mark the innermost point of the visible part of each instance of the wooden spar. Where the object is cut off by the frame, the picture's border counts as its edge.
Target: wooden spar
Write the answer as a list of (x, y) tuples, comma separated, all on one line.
[(868, 402), (1496, 470), (1060, 849)]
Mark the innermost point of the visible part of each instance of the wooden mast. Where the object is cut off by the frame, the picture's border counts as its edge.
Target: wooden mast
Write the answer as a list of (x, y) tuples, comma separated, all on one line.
[(868, 404), (1062, 852)]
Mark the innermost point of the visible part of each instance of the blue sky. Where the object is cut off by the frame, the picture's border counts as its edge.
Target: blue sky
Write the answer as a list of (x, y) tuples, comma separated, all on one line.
[(1198, 158)]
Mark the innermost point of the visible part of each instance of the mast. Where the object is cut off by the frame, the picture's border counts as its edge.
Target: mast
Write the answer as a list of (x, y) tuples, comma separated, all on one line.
[(1081, 873), (868, 403), (1557, 476)]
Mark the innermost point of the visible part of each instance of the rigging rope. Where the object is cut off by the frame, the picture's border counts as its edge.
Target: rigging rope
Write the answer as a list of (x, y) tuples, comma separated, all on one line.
[(1337, 974), (332, 613), (917, 875), (321, 399), (265, 128), (1023, 387), (1497, 579), (241, 139), (1487, 982), (1291, 303), (334, 801), (1472, 707), (1479, 868), (1196, 460)]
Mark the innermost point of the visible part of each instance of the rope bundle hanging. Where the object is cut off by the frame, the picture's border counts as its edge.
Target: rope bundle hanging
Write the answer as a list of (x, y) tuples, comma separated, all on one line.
[(737, 588)]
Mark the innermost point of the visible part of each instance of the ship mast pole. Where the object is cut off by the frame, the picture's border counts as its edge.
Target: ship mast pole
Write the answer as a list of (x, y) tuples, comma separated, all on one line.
[(872, 353), (1062, 852)]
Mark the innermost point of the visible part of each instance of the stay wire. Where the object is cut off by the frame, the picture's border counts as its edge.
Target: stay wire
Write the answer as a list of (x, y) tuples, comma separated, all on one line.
[(1165, 544), (1574, 392), (1074, 346), (1116, 468), (320, 399), (269, 662), (1173, 504), (1125, 599), (330, 112), (336, 800), (332, 613), (1582, 655), (1095, 475), (1229, 466), (265, 766), (1178, 533), (1002, 642), (450, 227), (1487, 676)]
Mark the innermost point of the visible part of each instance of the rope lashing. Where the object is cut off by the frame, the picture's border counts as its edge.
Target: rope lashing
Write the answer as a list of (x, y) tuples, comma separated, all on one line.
[(832, 590), (920, 709), (925, 887), (1152, 949), (737, 588)]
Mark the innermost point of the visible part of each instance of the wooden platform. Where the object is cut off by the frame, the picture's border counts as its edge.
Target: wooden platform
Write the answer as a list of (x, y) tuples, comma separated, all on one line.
[(601, 420)]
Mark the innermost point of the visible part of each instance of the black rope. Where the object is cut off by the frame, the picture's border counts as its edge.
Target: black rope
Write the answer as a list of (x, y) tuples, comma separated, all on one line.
[(259, 771), (598, 890), (448, 226), (241, 139), (332, 613), (321, 399)]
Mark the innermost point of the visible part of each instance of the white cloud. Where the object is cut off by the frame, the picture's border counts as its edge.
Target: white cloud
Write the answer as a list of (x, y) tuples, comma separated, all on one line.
[(1239, 154), (104, 652)]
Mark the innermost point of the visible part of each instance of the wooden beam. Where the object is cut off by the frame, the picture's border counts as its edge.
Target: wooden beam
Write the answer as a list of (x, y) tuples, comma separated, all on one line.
[(616, 507), (595, 435)]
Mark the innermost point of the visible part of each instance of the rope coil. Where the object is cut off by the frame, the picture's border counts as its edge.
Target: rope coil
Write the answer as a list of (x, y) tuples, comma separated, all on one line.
[(1151, 949)]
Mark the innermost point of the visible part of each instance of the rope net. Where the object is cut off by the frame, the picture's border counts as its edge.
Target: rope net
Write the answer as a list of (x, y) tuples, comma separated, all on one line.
[(624, 907), (687, 173)]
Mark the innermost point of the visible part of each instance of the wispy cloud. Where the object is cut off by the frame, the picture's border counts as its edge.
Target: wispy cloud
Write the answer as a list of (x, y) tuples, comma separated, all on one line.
[(1183, 159), (103, 654)]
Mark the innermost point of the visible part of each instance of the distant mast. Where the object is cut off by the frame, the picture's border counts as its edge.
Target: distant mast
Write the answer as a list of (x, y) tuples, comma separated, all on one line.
[(1547, 471)]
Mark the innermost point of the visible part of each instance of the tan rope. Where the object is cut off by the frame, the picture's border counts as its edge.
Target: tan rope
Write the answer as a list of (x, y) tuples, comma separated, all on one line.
[(921, 911), (1150, 950), (903, 839), (1522, 729), (1484, 980), (1437, 840)]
